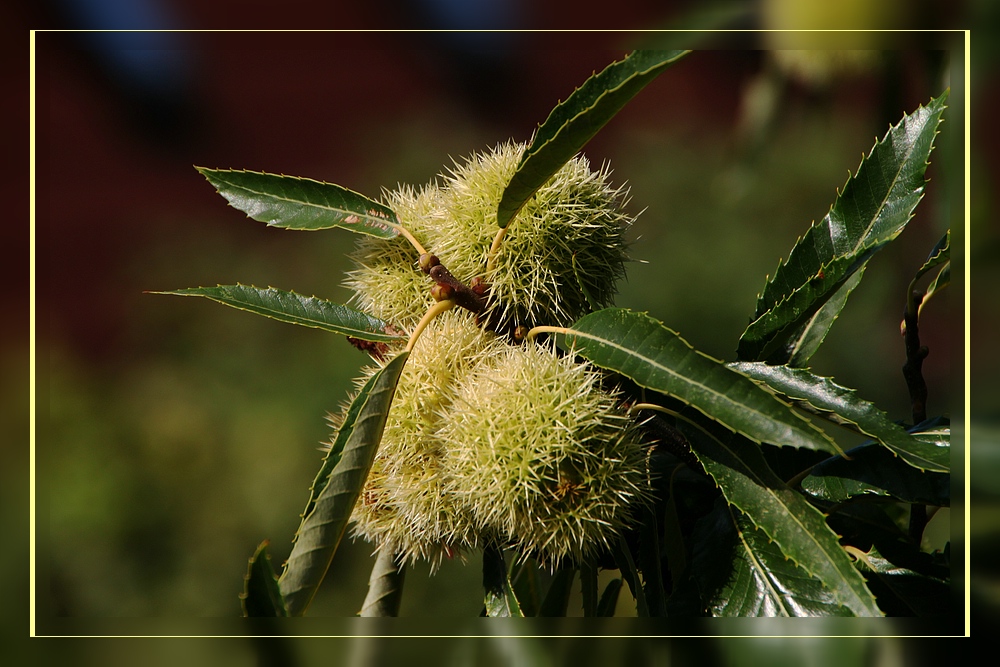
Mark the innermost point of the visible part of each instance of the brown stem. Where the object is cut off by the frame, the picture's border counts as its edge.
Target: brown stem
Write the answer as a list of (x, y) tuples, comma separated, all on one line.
[(450, 287)]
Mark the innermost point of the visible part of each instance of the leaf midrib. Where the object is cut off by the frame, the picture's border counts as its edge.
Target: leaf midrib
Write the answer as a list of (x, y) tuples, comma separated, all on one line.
[(305, 202), (684, 378)]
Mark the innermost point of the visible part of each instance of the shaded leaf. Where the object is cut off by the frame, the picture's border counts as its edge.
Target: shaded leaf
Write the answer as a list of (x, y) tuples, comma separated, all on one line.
[(649, 563), (822, 396), (329, 509), (526, 587), (301, 203), (874, 471), (261, 596), (873, 208), (764, 582), (385, 586), (609, 598), (588, 588), (296, 309), (941, 280), (572, 123), (905, 592), (798, 529), (939, 255), (643, 349), (500, 600), (556, 601), (626, 565)]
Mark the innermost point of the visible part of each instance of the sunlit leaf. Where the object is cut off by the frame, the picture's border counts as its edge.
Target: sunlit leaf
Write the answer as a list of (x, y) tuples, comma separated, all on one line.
[(841, 405), (764, 582), (330, 505), (301, 203), (873, 208), (294, 308), (655, 357), (572, 123)]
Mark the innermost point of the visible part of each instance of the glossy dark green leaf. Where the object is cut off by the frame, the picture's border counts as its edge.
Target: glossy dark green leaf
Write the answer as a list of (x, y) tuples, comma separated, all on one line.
[(797, 528), (556, 601), (822, 396), (643, 349), (294, 308), (261, 596), (330, 505), (572, 123), (873, 208), (906, 592), (803, 345), (301, 203), (764, 582), (874, 471), (609, 598), (385, 586), (499, 599)]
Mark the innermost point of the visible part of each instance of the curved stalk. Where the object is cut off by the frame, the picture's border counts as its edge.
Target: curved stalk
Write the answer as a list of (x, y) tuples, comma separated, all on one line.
[(432, 312)]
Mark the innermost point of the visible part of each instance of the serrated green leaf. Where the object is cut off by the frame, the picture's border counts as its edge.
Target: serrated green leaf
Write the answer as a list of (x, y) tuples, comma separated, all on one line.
[(626, 565), (261, 596), (822, 396), (329, 509), (572, 123), (940, 254), (912, 593), (293, 308), (526, 587), (291, 202), (385, 586), (941, 280), (764, 582), (803, 345), (874, 471), (655, 357), (609, 599), (499, 599), (556, 600), (874, 207), (799, 530), (651, 566)]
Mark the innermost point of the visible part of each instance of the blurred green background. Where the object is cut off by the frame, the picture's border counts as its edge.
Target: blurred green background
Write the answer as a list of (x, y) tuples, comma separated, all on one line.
[(176, 434)]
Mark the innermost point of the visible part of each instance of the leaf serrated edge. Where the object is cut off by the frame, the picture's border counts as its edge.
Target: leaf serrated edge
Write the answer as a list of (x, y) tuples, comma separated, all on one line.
[(838, 418), (376, 215), (761, 483), (864, 159), (824, 437)]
